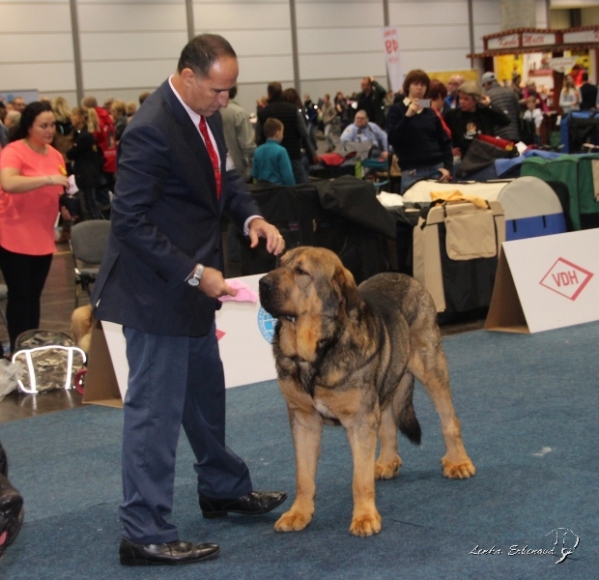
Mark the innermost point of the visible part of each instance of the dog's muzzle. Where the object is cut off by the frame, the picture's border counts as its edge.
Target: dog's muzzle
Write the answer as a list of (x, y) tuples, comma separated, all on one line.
[(266, 286)]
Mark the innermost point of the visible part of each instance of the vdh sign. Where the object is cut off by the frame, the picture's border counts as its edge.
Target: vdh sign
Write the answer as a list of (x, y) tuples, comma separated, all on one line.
[(566, 278)]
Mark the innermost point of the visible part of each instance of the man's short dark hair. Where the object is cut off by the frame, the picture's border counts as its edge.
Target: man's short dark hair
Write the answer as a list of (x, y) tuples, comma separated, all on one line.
[(271, 126), (274, 90), (201, 52), (233, 92)]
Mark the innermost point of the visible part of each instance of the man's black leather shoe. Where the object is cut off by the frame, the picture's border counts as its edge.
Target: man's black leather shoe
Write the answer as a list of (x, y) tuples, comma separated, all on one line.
[(254, 503), (171, 553)]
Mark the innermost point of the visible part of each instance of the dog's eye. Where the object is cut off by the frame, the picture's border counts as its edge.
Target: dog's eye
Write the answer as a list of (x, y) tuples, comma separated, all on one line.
[(299, 270)]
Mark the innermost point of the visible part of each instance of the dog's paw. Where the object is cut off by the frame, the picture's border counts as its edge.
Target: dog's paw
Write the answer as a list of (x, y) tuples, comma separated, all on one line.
[(292, 521), (366, 525), (387, 470), (462, 470)]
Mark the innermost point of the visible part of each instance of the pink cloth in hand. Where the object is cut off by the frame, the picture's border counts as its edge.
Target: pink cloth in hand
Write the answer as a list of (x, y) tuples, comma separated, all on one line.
[(244, 292)]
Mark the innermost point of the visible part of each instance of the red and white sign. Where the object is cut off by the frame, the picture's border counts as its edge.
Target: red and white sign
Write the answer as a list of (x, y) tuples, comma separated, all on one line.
[(556, 279), (566, 278), (537, 39), (508, 41), (393, 57)]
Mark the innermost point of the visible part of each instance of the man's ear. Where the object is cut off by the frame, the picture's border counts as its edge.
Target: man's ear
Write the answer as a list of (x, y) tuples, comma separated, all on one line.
[(187, 76), (348, 290)]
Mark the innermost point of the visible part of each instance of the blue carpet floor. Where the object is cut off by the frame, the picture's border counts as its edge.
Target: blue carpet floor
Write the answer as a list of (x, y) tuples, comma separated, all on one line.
[(529, 412)]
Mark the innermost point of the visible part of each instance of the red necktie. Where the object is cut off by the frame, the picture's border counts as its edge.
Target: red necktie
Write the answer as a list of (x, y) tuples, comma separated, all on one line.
[(212, 154)]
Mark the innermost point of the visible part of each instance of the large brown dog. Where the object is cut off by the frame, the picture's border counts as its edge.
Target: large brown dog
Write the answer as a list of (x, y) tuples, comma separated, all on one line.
[(349, 355)]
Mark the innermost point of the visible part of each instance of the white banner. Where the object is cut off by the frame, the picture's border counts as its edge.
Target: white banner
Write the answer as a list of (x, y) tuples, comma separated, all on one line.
[(244, 331), (562, 63), (393, 57)]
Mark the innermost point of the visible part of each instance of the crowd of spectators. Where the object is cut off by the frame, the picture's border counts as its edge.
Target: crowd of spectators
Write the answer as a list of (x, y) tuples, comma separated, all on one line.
[(428, 126), (394, 123)]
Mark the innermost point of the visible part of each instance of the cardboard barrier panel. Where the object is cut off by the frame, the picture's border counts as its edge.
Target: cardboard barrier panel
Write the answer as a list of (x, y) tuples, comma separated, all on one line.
[(101, 386), (546, 283), (244, 331)]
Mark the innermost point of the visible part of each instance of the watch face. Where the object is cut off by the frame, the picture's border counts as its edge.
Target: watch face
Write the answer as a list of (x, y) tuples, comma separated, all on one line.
[(193, 281)]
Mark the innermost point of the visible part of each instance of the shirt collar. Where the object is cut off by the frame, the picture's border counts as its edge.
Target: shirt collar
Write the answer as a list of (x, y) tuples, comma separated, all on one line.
[(192, 115)]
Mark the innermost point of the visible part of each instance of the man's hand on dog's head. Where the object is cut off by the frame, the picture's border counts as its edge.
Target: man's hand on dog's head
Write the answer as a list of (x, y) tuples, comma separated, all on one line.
[(260, 228)]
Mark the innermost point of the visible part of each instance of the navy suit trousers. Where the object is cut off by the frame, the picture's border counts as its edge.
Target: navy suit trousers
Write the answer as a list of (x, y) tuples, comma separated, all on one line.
[(173, 381)]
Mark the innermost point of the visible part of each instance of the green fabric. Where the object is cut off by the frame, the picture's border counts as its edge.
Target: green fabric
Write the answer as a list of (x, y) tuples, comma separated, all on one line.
[(564, 168), (576, 172), (586, 188)]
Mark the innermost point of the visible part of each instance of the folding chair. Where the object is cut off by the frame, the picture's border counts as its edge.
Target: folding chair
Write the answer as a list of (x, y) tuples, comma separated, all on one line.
[(88, 243)]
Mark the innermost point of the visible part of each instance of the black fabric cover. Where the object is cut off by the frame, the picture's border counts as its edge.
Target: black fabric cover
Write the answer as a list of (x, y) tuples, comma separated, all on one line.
[(467, 284), (355, 199), (582, 128), (481, 154), (303, 219)]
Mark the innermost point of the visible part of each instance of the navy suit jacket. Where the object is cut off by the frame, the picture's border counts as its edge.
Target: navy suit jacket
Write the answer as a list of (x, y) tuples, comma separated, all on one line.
[(165, 219)]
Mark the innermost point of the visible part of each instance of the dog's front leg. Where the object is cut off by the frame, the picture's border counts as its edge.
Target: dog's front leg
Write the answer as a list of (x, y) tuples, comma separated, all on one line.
[(362, 436), (306, 430)]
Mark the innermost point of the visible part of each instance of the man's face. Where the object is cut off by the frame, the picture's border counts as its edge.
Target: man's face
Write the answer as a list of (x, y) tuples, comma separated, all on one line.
[(365, 85), (361, 120), (206, 95), (19, 104), (452, 85)]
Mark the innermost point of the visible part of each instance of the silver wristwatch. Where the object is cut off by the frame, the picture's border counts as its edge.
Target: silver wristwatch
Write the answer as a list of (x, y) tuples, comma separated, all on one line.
[(197, 276)]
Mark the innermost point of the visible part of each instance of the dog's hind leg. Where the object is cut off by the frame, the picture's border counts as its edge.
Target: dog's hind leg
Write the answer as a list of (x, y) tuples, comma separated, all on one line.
[(389, 461), (429, 366), (306, 430)]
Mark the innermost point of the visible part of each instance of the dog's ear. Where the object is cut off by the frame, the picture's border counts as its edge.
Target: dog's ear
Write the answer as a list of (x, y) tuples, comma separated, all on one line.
[(348, 290)]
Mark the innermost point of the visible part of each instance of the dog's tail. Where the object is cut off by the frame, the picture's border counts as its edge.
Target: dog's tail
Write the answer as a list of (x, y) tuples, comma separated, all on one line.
[(405, 415)]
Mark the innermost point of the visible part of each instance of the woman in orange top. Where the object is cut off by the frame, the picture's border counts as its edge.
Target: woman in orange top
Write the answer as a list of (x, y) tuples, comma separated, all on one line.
[(32, 177)]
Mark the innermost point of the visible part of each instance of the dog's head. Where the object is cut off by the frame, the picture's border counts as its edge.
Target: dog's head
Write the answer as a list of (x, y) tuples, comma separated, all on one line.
[(313, 291)]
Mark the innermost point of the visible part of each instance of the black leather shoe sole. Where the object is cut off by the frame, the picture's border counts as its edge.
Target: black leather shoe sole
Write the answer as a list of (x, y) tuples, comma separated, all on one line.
[(137, 557), (146, 562), (213, 514)]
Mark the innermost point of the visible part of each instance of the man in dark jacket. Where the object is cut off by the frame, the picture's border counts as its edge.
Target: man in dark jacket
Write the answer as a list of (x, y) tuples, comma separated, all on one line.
[(588, 94), (295, 133), (161, 278), (371, 100), (503, 99)]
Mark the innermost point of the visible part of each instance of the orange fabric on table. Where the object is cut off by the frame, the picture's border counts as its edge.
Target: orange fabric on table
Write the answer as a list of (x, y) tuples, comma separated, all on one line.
[(27, 219)]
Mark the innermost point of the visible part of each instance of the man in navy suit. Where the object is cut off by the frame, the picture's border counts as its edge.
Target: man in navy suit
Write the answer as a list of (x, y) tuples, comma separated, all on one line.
[(161, 278)]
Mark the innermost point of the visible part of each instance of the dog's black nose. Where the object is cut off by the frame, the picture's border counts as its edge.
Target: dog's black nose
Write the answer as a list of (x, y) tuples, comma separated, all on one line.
[(265, 284)]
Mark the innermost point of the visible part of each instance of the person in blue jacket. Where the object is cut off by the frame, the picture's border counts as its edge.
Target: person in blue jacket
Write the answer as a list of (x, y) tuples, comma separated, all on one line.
[(271, 161)]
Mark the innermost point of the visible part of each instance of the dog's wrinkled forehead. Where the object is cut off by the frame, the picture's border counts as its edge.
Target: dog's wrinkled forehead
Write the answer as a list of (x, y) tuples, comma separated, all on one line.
[(311, 260)]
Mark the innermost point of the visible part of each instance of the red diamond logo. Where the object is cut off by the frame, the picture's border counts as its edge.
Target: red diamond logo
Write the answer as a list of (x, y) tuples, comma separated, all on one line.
[(566, 279)]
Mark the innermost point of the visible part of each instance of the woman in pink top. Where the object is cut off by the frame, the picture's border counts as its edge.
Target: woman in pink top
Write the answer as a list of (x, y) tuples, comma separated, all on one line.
[(32, 177)]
